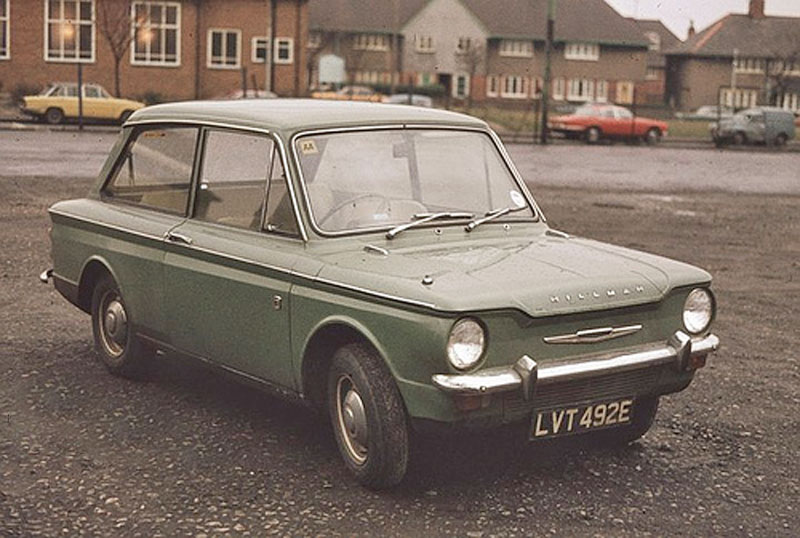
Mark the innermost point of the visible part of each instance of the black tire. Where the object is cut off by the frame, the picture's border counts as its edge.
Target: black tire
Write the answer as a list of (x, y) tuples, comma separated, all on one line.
[(643, 418), (54, 116), (124, 116), (781, 140), (653, 136), (368, 417), (114, 341), (739, 139), (593, 135)]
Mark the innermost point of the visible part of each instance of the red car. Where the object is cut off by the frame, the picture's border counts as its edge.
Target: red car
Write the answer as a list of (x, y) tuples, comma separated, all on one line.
[(592, 122)]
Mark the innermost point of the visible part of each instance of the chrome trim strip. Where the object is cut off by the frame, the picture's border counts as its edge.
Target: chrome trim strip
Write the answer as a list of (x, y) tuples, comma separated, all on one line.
[(507, 378), (377, 250), (538, 216), (378, 294), (109, 226), (592, 336)]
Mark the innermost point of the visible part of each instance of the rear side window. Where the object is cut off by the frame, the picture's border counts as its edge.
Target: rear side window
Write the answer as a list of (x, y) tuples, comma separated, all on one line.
[(156, 170)]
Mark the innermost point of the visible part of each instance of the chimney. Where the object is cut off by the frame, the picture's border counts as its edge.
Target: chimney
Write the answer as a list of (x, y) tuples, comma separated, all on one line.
[(691, 29), (756, 9)]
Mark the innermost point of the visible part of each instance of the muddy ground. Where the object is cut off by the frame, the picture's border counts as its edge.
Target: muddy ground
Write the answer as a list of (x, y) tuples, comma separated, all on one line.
[(188, 453)]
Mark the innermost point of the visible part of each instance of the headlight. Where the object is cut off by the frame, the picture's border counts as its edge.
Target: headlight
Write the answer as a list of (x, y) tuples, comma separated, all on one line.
[(466, 343), (698, 310)]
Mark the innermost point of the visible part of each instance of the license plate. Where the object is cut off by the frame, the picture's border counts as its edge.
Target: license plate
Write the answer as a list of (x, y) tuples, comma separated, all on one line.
[(579, 418)]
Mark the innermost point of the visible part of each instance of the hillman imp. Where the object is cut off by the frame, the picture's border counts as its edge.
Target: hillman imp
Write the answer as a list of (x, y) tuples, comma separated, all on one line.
[(387, 265)]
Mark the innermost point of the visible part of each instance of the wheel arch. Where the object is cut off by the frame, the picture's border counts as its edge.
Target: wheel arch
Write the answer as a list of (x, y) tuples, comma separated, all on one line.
[(94, 268), (326, 338)]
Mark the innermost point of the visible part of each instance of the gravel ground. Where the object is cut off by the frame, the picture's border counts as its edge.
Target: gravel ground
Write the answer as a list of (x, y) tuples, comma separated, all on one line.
[(190, 454)]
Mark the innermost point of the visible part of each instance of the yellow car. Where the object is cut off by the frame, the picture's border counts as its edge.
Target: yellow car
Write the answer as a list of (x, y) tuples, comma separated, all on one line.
[(350, 93), (60, 101)]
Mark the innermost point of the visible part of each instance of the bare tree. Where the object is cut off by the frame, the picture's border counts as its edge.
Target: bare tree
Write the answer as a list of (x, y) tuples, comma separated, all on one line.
[(471, 60), (114, 23)]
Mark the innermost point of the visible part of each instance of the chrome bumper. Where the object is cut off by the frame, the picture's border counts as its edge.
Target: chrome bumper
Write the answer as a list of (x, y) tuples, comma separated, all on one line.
[(526, 374), (45, 277)]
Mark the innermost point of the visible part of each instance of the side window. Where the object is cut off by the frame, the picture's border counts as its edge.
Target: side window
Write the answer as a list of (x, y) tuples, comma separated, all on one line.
[(280, 213), (233, 182), (156, 170), (92, 92)]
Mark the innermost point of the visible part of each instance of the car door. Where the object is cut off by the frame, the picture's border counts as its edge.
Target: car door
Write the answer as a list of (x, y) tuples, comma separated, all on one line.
[(228, 267), (94, 106), (757, 126)]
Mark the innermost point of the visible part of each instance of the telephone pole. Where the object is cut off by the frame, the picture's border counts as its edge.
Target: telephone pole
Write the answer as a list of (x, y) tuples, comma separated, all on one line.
[(548, 49)]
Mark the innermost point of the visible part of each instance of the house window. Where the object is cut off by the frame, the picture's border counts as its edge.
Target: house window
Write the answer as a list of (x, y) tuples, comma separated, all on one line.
[(580, 89), (582, 51), (558, 89), (791, 101), (624, 92), (69, 35), (224, 48), (258, 50), (377, 42), (156, 33), (653, 73), (749, 65), (654, 41), (5, 48), (739, 98), (424, 79), (515, 87), (424, 43), (314, 40), (492, 86), (516, 47), (463, 45), (284, 50), (461, 86), (601, 91)]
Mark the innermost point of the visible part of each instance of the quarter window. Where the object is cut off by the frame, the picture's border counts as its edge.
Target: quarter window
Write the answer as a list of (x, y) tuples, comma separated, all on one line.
[(156, 170), (69, 35), (156, 33), (5, 49), (224, 49)]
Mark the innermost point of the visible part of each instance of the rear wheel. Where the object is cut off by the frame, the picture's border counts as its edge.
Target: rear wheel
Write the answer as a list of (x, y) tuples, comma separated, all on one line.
[(739, 139), (781, 140), (369, 420), (114, 341), (54, 116), (593, 135)]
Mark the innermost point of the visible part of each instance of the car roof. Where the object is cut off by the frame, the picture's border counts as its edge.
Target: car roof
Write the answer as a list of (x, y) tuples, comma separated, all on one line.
[(293, 115)]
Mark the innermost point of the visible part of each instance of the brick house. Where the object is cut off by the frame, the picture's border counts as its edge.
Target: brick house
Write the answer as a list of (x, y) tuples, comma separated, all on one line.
[(741, 60), (179, 49), (490, 49), (653, 90)]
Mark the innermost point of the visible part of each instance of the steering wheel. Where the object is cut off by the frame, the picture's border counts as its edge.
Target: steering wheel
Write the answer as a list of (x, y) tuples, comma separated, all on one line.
[(352, 201)]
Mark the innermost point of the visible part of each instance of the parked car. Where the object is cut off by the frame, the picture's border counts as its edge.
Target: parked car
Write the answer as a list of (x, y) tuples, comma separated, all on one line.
[(707, 112), (249, 94), (758, 125), (593, 122), (406, 99), (60, 101), (350, 93), (385, 264)]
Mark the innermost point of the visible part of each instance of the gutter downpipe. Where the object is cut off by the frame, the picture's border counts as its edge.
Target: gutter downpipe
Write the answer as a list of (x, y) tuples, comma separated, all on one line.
[(197, 49)]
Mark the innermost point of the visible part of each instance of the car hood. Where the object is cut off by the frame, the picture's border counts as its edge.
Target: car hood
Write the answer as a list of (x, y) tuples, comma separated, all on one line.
[(542, 275)]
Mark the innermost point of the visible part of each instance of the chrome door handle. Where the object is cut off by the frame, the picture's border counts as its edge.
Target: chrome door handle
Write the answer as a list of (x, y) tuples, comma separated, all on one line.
[(179, 238)]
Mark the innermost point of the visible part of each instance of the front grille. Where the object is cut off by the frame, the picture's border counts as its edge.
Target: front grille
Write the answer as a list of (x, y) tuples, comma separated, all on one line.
[(605, 387)]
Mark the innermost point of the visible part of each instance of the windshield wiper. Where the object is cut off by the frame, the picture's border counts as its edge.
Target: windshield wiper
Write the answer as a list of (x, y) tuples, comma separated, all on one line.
[(493, 214), (422, 218)]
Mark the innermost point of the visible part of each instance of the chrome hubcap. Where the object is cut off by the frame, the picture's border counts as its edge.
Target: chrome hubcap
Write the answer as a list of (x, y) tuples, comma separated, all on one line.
[(352, 419), (113, 324)]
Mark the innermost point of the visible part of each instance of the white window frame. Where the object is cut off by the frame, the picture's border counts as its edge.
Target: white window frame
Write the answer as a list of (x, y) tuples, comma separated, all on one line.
[(587, 52), (558, 88), (519, 48), (750, 66), (514, 87), (739, 98), (163, 27), (493, 85), (5, 22), (467, 84), (210, 64), (424, 44), (654, 41), (256, 43), (283, 43), (373, 42), (48, 19), (791, 101), (601, 91), (652, 73), (580, 89), (463, 45), (314, 40)]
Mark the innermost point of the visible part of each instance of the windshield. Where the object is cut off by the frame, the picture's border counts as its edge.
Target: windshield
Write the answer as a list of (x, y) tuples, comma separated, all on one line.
[(380, 179)]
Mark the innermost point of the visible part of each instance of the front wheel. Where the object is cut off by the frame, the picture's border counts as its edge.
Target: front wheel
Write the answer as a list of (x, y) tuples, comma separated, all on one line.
[(653, 137), (781, 140), (369, 420), (114, 341), (739, 139), (124, 116), (54, 116)]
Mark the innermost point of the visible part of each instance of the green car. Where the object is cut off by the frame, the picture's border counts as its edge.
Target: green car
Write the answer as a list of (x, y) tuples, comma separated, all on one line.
[(384, 264)]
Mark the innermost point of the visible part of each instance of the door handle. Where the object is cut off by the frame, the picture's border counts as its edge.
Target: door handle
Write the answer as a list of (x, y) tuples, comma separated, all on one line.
[(179, 238)]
